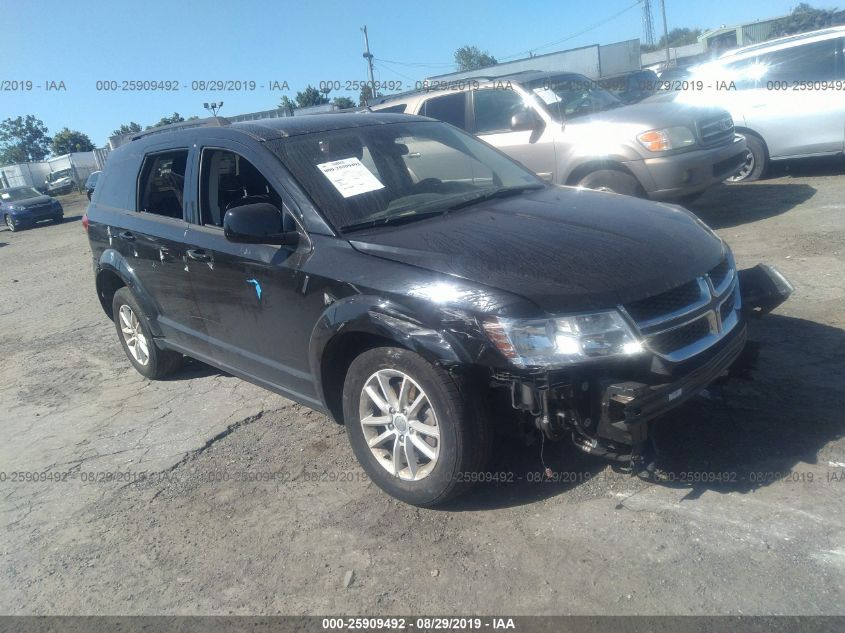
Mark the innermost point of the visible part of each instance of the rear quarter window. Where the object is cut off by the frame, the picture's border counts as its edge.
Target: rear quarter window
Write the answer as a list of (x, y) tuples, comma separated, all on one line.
[(116, 185)]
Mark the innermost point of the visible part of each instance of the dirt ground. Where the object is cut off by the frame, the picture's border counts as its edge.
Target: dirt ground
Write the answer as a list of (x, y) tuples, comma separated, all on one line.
[(258, 506)]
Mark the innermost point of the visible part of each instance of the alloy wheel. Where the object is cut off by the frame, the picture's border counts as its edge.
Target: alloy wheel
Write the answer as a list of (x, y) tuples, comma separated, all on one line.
[(746, 169), (133, 335), (399, 425)]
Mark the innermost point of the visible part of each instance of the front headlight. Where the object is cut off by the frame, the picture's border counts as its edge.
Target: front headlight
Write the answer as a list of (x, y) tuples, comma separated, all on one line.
[(563, 340), (670, 138)]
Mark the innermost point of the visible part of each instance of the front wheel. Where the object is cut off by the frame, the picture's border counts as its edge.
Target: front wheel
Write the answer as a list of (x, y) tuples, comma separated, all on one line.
[(612, 181), (412, 431), (756, 161), (10, 223)]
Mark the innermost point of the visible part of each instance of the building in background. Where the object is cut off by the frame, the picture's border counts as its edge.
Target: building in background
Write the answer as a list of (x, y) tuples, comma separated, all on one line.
[(35, 174), (594, 61)]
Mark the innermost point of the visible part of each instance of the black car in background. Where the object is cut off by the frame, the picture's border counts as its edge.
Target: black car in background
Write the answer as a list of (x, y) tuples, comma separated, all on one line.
[(23, 207), (415, 284), (91, 183)]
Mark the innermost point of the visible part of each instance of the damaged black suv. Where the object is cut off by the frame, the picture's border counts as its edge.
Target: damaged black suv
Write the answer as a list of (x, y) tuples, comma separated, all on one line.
[(415, 284)]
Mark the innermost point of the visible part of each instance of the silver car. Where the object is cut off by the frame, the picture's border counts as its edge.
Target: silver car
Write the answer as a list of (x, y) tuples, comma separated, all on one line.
[(786, 96), (570, 131)]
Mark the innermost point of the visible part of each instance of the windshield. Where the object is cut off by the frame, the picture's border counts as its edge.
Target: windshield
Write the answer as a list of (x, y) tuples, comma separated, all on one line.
[(18, 193), (399, 172), (572, 96), (54, 176), (92, 179)]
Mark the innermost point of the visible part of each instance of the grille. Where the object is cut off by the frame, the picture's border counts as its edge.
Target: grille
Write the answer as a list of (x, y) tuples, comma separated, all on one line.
[(672, 340), (715, 131), (727, 306), (665, 303), (719, 273)]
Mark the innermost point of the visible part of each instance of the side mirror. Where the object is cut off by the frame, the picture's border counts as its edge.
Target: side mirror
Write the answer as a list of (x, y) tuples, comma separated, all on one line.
[(524, 120), (259, 223)]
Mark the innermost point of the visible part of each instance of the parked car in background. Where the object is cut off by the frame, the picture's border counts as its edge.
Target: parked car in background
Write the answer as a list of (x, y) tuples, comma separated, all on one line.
[(91, 183), (570, 131), (23, 207), (631, 87), (59, 182), (415, 284), (786, 96)]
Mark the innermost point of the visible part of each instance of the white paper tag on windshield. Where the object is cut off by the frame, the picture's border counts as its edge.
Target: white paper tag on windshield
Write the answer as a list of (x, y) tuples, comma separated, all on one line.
[(548, 96), (5, 196), (350, 177)]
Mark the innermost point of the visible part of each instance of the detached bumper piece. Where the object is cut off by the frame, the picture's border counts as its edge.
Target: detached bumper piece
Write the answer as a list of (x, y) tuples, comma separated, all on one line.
[(627, 407), (763, 288)]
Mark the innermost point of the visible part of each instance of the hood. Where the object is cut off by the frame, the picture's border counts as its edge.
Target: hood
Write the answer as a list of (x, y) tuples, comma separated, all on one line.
[(649, 115), (30, 202), (562, 248)]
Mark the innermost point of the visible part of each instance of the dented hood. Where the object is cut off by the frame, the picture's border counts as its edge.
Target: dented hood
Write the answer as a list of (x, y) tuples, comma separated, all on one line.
[(562, 248)]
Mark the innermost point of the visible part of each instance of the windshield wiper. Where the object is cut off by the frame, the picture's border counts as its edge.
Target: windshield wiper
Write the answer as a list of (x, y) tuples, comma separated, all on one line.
[(501, 192), (400, 218)]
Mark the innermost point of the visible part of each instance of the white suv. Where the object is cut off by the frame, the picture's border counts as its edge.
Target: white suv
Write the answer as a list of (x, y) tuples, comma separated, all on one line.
[(787, 96)]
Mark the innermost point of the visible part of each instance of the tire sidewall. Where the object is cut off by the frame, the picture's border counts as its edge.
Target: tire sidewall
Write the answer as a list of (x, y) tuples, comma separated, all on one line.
[(449, 411)]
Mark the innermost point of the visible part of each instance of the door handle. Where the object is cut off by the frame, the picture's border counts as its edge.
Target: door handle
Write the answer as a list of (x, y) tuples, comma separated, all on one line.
[(199, 255), (126, 235)]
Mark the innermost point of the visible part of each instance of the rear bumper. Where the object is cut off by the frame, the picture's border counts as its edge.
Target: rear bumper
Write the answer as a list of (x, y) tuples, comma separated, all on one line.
[(679, 175)]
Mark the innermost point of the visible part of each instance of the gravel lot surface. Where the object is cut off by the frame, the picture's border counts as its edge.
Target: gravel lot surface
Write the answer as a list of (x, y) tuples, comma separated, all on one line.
[(215, 533)]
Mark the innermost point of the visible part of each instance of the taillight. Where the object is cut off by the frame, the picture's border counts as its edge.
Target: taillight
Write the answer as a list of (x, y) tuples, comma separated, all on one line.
[(85, 222)]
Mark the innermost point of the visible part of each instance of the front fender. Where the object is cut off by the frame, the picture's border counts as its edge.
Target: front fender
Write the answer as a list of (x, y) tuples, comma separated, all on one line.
[(362, 316)]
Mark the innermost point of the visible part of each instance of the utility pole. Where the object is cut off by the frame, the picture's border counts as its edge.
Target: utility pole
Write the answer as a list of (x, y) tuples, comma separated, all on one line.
[(665, 30), (369, 57)]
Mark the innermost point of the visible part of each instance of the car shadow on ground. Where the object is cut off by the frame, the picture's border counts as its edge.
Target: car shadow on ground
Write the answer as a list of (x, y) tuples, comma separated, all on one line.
[(191, 369), (725, 206), (754, 430), (2, 244), (72, 218)]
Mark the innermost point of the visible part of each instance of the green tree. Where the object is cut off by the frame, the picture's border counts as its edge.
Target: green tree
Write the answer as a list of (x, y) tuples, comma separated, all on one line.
[(23, 139), (472, 58), (677, 37), (167, 120), (67, 141), (805, 17), (127, 128), (287, 104), (343, 102), (366, 94), (310, 97)]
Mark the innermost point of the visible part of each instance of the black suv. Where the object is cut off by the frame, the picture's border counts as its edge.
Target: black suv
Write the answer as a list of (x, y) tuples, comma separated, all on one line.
[(415, 284)]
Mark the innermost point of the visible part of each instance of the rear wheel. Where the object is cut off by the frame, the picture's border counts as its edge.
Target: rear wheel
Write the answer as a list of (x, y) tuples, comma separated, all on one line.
[(413, 432), (137, 340), (756, 161), (613, 181)]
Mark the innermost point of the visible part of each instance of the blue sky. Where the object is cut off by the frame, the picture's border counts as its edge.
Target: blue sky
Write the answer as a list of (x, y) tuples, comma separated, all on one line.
[(298, 42)]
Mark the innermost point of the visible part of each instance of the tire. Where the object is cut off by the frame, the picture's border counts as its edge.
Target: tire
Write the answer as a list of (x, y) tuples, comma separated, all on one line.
[(613, 181), (146, 358), (462, 442), (58, 219), (756, 162), (11, 225)]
